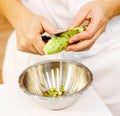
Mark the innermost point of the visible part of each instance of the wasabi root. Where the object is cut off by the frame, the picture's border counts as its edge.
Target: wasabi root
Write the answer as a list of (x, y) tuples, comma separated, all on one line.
[(59, 42)]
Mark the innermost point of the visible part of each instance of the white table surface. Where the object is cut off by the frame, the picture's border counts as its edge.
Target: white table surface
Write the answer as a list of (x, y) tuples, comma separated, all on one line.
[(14, 102)]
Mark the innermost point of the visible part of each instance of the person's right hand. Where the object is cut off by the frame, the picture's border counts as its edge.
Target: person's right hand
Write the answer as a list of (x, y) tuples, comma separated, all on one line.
[(29, 30)]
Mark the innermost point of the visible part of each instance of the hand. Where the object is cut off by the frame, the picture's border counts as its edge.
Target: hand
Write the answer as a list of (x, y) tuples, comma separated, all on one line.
[(28, 31), (97, 15)]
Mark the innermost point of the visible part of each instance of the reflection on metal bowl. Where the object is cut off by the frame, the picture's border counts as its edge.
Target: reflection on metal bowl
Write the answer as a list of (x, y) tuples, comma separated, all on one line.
[(43, 76)]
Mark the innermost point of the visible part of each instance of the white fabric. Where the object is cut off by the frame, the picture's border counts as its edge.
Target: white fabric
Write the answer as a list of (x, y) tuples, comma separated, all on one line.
[(15, 102), (102, 58)]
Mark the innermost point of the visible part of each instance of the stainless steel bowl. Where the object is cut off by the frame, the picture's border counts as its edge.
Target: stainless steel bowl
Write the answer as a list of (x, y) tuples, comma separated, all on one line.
[(40, 77)]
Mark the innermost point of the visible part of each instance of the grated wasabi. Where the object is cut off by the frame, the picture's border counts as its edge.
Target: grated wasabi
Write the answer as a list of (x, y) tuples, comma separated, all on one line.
[(52, 92)]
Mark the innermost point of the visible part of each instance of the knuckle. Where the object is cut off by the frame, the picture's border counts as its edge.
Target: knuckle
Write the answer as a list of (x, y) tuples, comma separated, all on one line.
[(102, 20), (85, 48), (103, 30), (22, 45), (89, 34), (76, 37), (31, 36), (77, 48), (89, 46)]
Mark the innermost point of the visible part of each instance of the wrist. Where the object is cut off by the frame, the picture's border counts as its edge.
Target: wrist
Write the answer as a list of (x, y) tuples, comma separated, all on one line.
[(19, 16), (14, 11), (112, 7)]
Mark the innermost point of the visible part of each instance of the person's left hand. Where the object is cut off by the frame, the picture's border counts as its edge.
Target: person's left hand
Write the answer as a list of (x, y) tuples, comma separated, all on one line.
[(97, 14)]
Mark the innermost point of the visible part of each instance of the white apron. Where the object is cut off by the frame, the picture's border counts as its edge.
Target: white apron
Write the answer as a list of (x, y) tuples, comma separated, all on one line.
[(103, 59)]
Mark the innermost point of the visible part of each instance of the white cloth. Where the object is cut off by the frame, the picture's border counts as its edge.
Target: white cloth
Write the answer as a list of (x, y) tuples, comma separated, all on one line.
[(102, 59), (14, 102)]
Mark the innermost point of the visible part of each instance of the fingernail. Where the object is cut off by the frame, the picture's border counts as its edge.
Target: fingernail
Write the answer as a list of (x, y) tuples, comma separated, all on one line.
[(71, 40), (68, 49)]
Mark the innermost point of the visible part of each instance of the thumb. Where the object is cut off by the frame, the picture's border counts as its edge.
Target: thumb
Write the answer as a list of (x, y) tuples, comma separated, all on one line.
[(49, 27), (79, 18)]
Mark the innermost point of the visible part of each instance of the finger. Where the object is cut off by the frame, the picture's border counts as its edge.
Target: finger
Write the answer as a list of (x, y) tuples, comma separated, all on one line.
[(24, 45), (91, 30), (39, 44), (30, 50), (80, 46), (94, 24), (85, 44), (33, 50), (26, 48), (80, 17), (48, 27)]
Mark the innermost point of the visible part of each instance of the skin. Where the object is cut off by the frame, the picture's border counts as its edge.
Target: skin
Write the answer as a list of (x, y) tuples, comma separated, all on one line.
[(106, 9), (30, 26)]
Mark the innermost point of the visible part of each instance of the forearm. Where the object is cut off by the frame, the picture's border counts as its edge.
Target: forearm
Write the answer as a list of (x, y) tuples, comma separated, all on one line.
[(13, 10), (113, 7)]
